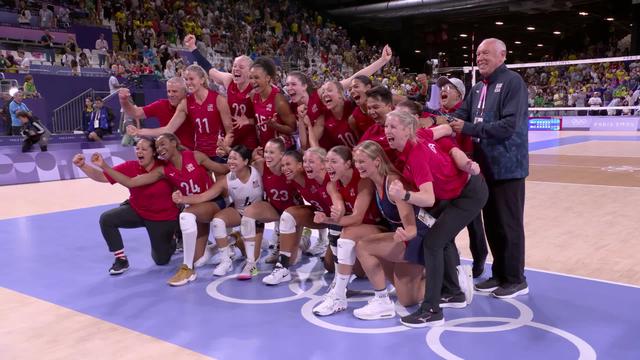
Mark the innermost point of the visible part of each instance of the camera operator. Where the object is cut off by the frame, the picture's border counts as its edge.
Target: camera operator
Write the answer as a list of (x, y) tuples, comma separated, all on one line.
[(33, 131)]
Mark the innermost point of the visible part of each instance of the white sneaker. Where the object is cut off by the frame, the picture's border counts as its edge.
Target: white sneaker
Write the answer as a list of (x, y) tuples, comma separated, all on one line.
[(209, 251), (330, 305), (225, 266), (250, 270), (305, 240), (376, 309), (319, 249), (465, 279), (278, 275), (232, 254)]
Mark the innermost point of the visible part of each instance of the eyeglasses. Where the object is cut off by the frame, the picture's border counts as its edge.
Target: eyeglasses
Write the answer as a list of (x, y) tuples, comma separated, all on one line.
[(450, 87)]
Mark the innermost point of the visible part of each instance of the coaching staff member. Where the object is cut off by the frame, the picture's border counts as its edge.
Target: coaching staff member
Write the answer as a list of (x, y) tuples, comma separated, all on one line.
[(496, 115)]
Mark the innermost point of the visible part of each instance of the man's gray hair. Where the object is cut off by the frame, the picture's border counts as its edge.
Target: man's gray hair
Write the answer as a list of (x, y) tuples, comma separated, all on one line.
[(178, 81)]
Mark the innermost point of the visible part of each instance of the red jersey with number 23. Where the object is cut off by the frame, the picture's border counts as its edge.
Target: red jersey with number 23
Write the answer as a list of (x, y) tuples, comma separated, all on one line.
[(191, 178), (316, 194), (206, 121), (280, 193)]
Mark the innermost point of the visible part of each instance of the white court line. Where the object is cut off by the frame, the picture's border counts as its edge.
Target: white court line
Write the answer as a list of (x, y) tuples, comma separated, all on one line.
[(578, 184), (570, 275), (573, 166)]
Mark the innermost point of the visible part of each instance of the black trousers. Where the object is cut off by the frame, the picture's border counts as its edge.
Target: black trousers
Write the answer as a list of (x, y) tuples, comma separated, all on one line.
[(504, 217), (440, 252), (477, 240), (160, 232)]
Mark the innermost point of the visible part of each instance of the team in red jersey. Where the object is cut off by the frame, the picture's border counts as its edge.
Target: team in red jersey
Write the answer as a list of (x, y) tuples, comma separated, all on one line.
[(434, 176)]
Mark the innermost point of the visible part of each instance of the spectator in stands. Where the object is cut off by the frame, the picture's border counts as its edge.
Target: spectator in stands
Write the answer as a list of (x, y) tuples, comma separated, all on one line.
[(62, 16), (46, 17), (114, 83), (102, 46), (595, 102), (86, 112), (29, 88), (47, 42), (99, 123), (83, 60), (24, 15), (15, 106), (25, 62), (75, 68), (4, 63), (65, 60), (33, 131), (71, 45), (5, 113)]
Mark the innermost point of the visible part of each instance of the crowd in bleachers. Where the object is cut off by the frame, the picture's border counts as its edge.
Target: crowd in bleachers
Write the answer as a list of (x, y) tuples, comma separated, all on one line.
[(585, 85)]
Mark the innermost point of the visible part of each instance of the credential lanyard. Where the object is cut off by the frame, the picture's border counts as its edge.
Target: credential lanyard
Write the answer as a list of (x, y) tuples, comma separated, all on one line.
[(483, 99)]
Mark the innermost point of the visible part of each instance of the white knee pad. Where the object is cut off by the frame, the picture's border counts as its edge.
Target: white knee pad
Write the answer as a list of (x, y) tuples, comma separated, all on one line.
[(248, 227), (188, 222), (287, 223), (219, 228), (346, 251)]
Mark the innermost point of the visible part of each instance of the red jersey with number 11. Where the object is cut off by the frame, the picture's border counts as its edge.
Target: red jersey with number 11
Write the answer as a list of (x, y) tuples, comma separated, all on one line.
[(206, 121)]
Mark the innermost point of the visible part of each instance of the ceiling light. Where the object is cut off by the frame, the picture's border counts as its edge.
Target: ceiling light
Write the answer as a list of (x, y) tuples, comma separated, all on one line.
[(540, 45), (609, 19), (463, 35), (499, 23), (464, 47), (530, 28), (465, 55), (557, 32), (417, 51), (529, 54), (510, 51), (517, 42), (583, 13)]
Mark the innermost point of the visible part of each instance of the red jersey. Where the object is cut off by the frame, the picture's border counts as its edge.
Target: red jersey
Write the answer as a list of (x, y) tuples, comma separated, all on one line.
[(363, 121), (240, 104), (151, 202), (316, 194), (208, 124), (164, 111), (191, 178), (349, 194), (280, 193), (338, 131), (376, 133), (426, 162), (265, 111), (315, 107)]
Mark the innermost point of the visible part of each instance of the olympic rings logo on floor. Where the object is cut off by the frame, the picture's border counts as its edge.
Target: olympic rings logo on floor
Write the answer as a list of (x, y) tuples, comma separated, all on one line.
[(525, 318)]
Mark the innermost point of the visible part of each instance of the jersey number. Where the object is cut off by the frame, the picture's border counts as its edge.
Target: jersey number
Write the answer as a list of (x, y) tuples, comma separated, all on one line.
[(190, 188), (316, 205), (239, 109), (262, 122), (347, 139), (281, 195), (200, 123)]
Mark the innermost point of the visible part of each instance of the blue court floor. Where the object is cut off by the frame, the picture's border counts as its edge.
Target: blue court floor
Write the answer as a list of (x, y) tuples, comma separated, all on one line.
[(61, 258)]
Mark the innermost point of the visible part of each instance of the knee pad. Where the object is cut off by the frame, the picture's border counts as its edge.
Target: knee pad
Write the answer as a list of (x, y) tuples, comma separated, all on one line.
[(218, 228), (188, 222), (287, 223), (248, 227), (346, 251)]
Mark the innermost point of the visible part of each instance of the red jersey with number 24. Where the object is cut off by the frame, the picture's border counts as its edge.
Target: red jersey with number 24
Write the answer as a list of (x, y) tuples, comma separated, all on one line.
[(191, 178)]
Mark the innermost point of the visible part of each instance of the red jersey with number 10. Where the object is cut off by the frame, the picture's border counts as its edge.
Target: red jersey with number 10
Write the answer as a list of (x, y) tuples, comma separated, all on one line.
[(265, 111), (191, 178), (206, 121), (240, 104), (338, 131), (279, 192)]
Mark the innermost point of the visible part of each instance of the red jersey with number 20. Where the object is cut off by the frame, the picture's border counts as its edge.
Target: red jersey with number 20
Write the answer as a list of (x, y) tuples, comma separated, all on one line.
[(265, 111), (240, 104), (279, 192), (192, 178), (206, 121)]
